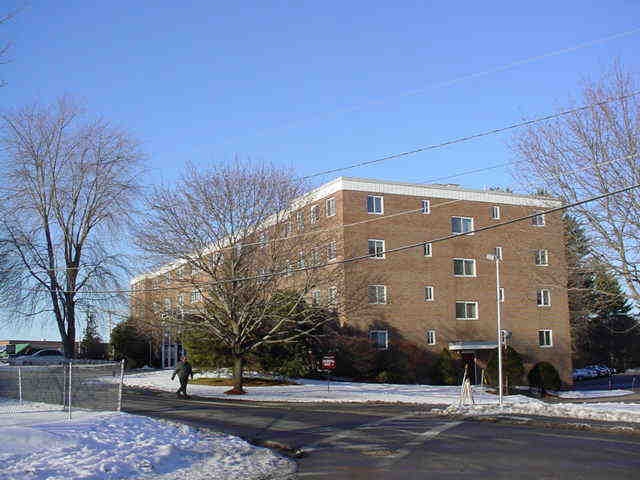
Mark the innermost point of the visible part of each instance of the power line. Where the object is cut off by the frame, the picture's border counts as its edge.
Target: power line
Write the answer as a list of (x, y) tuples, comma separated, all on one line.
[(453, 81), (391, 250), (474, 136)]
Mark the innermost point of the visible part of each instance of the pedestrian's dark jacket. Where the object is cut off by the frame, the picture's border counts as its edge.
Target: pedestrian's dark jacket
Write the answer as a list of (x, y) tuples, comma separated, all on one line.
[(183, 370)]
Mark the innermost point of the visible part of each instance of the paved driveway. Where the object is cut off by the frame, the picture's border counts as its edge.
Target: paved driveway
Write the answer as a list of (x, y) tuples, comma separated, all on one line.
[(371, 442)]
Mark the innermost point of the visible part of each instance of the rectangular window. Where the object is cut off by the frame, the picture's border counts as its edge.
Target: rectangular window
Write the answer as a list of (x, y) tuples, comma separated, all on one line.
[(379, 338), (238, 249), (377, 294), (461, 224), (498, 252), (301, 263), (330, 206), (331, 250), (466, 310), (288, 228), (263, 275), (376, 248), (428, 294), (315, 298), (315, 256), (180, 299), (542, 258), (501, 294), (427, 250), (431, 337), (544, 297), (495, 212), (155, 284), (167, 303), (262, 239), (196, 296), (538, 220), (332, 296), (464, 267), (288, 269), (545, 338), (315, 214), (425, 206), (300, 220), (375, 204)]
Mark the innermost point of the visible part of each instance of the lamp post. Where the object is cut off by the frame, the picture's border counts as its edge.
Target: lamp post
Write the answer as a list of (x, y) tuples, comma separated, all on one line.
[(496, 259)]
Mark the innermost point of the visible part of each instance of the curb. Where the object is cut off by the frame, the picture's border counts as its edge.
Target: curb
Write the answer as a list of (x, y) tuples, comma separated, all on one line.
[(283, 448), (545, 423)]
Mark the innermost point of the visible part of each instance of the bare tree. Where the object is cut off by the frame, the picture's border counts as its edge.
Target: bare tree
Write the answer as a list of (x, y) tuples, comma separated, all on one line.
[(591, 152), (5, 46), (240, 259), (69, 186)]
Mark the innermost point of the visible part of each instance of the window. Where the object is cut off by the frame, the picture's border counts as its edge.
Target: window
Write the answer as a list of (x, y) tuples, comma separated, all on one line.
[(288, 228), (504, 336), (300, 220), (330, 206), (301, 263), (331, 250), (180, 272), (167, 303), (377, 294), (180, 299), (262, 239), (196, 296), (332, 295), (461, 224), (538, 220), (376, 248), (155, 283), (315, 256), (238, 249), (431, 337), (428, 294), (544, 297), (315, 298), (427, 249), (501, 294), (263, 275), (495, 212), (315, 214), (425, 206), (375, 204), (498, 252), (466, 310), (464, 267), (545, 338), (379, 338), (542, 258)]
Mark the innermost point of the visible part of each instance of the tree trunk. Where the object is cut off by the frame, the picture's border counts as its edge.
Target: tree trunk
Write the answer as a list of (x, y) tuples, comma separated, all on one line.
[(238, 367)]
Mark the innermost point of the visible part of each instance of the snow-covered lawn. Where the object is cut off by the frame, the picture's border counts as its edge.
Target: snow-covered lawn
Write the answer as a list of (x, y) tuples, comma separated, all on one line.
[(316, 391), (38, 443)]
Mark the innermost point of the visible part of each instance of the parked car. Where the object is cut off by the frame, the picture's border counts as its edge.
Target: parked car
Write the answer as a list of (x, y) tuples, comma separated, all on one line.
[(41, 357)]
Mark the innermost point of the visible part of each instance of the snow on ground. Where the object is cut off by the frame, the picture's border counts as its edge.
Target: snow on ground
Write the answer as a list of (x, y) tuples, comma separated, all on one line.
[(608, 412), (39, 444), (316, 391), (592, 393)]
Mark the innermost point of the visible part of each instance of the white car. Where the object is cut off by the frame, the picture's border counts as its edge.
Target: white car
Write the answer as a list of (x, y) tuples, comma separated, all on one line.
[(41, 357)]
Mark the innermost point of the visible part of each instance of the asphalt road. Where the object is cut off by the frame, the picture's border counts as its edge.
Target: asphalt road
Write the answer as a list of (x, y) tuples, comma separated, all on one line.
[(372, 441)]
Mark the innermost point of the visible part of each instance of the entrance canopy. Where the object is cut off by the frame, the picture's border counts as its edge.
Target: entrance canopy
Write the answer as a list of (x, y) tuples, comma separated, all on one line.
[(472, 345)]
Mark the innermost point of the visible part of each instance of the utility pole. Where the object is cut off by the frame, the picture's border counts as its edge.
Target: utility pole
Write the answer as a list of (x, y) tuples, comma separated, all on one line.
[(495, 258)]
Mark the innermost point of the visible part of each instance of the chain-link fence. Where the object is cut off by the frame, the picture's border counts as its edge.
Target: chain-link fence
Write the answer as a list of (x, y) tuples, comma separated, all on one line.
[(67, 386)]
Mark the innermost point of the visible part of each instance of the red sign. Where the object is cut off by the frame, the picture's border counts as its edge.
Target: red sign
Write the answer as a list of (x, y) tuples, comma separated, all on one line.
[(329, 362)]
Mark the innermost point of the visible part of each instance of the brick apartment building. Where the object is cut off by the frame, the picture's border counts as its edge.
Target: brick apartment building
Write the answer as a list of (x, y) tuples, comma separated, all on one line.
[(443, 294)]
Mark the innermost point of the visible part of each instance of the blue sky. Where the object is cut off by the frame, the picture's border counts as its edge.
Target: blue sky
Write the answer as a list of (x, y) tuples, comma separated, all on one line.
[(313, 85)]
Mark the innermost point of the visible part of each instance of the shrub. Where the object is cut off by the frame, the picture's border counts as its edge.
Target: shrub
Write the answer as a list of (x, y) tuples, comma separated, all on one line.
[(130, 344), (445, 371), (512, 367), (544, 376)]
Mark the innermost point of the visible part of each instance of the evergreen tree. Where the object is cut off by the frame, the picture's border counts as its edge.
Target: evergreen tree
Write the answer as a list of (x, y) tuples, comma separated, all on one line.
[(91, 345)]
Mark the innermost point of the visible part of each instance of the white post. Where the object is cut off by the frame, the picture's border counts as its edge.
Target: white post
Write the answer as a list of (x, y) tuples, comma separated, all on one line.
[(162, 346), (20, 384), (64, 383), (121, 382), (499, 331), (69, 416)]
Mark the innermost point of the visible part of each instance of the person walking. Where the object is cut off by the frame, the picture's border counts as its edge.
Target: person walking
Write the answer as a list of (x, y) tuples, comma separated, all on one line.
[(183, 370)]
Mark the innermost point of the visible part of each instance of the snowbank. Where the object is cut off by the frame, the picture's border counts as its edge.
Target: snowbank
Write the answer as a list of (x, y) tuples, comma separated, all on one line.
[(41, 444)]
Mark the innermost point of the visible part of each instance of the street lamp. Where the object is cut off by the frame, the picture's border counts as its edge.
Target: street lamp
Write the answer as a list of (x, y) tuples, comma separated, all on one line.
[(496, 259)]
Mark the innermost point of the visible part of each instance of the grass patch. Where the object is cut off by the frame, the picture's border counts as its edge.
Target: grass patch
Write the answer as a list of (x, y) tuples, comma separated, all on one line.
[(247, 382)]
